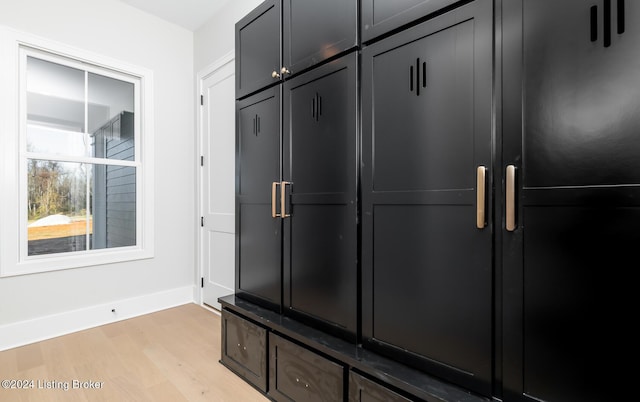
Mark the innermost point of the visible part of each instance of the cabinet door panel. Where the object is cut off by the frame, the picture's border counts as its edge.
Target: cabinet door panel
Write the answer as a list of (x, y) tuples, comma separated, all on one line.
[(424, 114), (567, 331), (320, 159), (581, 104), (426, 129), (420, 271), (382, 16), (259, 259), (319, 113), (569, 96), (258, 48), (317, 30), (258, 234), (322, 283)]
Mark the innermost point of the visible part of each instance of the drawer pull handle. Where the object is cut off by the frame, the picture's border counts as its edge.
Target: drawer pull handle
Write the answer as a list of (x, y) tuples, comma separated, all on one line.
[(274, 214), (283, 199), (480, 197), (510, 201)]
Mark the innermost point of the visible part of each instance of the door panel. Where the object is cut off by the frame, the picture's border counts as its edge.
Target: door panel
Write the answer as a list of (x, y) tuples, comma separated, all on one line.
[(317, 30), (259, 234), (564, 267), (217, 133), (580, 104), (258, 48), (380, 17), (319, 155), (433, 93), (570, 86), (320, 244), (426, 129), (423, 243), (321, 251)]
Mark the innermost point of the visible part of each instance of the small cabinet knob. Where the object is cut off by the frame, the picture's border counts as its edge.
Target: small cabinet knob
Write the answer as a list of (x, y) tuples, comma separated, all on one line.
[(284, 70), (274, 74)]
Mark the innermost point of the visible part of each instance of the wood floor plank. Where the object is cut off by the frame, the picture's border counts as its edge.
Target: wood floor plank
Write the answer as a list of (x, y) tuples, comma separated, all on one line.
[(29, 356), (172, 355), (166, 392)]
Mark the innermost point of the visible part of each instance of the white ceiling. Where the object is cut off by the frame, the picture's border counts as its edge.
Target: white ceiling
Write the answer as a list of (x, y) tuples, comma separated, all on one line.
[(189, 14)]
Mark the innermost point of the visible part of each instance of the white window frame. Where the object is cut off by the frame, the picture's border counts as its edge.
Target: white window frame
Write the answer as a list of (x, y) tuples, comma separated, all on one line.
[(15, 46)]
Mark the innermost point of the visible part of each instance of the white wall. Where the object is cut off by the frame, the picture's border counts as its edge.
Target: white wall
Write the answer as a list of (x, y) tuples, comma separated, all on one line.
[(116, 30)]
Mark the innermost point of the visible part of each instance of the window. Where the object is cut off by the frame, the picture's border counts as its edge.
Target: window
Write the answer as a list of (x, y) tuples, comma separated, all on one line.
[(84, 177)]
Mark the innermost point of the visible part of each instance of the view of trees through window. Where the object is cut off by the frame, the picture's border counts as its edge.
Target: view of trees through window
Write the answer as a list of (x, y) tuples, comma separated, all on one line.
[(54, 189)]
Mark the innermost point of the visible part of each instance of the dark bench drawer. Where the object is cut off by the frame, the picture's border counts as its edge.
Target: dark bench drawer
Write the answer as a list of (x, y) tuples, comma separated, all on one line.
[(299, 374), (362, 389), (244, 349)]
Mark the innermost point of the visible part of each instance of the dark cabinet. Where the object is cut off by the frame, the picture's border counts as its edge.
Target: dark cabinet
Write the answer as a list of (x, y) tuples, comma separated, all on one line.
[(380, 17), (320, 179), (314, 31), (570, 105), (257, 48), (361, 389), (281, 38), (258, 226), (299, 374), (427, 274), (244, 349), (450, 214), (297, 229)]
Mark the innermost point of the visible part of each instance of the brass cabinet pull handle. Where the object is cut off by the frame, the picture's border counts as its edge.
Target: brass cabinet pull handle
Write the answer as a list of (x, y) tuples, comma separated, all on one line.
[(480, 197), (510, 193), (283, 200), (273, 200)]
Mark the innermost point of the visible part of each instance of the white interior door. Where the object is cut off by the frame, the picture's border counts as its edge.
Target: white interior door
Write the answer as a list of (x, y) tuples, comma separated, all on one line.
[(217, 190)]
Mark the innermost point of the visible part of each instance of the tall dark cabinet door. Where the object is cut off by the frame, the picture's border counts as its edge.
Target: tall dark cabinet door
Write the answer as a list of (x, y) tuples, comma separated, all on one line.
[(314, 31), (426, 248), (258, 231), (258, 44), (571, 103), (320, 161)]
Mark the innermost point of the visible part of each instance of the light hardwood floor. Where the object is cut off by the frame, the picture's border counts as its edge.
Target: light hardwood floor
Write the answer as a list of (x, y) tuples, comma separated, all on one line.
[(172, 355)]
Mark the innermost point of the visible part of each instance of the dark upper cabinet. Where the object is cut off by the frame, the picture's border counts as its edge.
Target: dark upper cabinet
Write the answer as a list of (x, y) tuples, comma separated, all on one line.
[(258, 44), (427, 273), (258, 229), (320, 162), (380, 17), (281, 38), (315, 30), (571, 97)]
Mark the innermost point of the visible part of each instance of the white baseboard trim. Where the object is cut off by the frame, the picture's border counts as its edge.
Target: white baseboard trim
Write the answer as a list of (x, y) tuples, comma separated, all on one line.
[(47, 327)]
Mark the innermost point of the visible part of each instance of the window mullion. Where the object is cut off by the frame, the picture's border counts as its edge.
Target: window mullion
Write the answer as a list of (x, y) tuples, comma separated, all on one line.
[(87, 145)]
